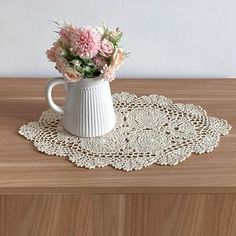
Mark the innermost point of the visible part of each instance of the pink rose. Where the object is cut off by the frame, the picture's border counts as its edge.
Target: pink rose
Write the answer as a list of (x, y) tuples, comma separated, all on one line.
[(71, 74), (106, 48)]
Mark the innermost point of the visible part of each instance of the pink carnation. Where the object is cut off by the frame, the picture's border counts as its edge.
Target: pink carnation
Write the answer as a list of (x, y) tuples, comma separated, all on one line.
[(65, 34), (108, 73), (61, 64), (107, 48), (54, 52), (85, 41)]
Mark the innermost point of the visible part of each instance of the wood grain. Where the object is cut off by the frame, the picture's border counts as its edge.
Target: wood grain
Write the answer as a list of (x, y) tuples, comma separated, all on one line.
[(42, 195), (24, 170), (118, 215)]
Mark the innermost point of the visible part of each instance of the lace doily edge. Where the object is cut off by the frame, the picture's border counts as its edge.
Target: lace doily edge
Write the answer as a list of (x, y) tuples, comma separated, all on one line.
[(131, 164), (124, 163)]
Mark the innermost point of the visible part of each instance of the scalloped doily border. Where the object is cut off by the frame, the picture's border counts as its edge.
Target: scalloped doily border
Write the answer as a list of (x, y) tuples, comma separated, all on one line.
[(207, 144)]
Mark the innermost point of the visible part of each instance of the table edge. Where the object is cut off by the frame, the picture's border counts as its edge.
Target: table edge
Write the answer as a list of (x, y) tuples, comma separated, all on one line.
[(117, 190)]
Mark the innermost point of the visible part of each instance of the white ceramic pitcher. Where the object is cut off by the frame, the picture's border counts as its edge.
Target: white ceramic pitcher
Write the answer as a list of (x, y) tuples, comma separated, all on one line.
[(88, 110)]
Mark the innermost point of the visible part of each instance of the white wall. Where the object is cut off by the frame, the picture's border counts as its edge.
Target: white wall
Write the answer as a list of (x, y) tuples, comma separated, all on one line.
[(166, 38)]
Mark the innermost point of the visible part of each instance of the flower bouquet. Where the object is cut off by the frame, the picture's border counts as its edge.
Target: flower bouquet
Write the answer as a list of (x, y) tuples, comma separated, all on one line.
[(88, 58), (87, 52)]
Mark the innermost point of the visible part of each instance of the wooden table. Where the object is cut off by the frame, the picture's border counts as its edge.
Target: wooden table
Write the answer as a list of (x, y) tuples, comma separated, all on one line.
[(44, 195)]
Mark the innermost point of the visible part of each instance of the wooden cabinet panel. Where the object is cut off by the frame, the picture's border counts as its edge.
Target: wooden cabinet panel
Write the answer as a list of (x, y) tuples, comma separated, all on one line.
[(118, 215)]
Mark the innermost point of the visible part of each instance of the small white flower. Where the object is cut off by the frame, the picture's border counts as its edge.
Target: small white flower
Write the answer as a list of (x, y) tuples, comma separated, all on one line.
[(76, 63)]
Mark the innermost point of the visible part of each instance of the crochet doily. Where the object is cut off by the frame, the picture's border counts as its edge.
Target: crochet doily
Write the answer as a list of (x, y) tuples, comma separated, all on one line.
[(149, 129)]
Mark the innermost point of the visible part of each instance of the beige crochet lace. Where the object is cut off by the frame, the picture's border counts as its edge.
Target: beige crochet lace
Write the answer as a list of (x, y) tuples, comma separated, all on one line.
[(149, 130)]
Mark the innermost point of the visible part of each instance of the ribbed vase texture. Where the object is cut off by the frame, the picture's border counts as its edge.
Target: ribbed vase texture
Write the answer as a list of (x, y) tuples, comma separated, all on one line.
[(88, 110)]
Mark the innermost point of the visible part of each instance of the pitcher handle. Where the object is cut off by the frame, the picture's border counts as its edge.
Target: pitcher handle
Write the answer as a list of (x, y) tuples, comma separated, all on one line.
[(48, 92)]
